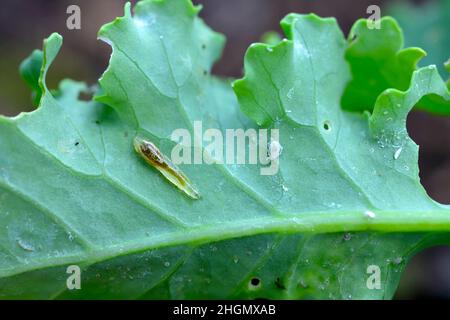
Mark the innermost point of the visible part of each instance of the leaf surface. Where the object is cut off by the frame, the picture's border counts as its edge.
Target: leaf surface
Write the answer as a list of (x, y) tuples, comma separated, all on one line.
[(73, 191)]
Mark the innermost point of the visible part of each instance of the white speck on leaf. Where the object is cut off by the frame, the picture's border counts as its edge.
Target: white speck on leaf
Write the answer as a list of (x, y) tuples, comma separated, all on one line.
[(397, 153), (275, 150), (290, 93), (370, 214), (25, 245)]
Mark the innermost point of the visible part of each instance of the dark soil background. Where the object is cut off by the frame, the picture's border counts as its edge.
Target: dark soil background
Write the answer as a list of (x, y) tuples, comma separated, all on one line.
[(25, 23)]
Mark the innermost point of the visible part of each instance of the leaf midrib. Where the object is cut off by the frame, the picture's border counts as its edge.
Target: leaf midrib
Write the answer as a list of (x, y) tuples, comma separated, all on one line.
[(312, 223)]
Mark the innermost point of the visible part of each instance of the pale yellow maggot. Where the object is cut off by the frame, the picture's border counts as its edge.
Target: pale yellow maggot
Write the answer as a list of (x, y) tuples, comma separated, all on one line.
[(151, 154)]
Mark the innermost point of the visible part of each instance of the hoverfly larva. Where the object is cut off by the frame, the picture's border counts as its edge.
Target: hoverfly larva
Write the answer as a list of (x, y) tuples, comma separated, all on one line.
[(156, 159)]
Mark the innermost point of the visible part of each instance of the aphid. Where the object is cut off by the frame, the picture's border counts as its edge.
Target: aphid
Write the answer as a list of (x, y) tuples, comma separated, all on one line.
[(156, 159)]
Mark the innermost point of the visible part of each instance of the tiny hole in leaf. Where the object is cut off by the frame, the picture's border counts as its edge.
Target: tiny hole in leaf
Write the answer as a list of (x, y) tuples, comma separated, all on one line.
[(254, 284), (327, 125), (77, 143)]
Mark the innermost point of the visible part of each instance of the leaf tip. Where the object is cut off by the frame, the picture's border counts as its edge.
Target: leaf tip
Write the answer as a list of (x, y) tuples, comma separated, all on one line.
[(127, 10)]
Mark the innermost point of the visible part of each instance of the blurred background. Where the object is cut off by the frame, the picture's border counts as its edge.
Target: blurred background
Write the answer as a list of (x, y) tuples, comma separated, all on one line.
[(25, 23)]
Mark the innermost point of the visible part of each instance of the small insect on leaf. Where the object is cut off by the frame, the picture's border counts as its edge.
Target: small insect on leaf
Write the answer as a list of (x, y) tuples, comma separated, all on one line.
[(159, 161)]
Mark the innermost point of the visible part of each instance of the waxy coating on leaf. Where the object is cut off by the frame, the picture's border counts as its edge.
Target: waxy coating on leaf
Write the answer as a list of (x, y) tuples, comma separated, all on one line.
[(86, 199)]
